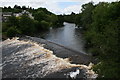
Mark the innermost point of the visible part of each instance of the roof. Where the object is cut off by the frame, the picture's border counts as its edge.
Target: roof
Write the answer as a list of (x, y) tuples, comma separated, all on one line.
[(7, 13)]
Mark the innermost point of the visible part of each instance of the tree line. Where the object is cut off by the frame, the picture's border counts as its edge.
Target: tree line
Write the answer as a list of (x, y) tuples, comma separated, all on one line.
[(101, 25), (24, 25)]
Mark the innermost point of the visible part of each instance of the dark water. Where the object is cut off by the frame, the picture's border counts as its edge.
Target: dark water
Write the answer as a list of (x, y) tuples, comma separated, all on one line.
[(27, 59), (68, 36)]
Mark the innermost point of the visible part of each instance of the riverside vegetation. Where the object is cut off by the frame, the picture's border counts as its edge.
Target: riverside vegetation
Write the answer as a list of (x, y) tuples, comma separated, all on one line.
[(100, 25), (24, 25)]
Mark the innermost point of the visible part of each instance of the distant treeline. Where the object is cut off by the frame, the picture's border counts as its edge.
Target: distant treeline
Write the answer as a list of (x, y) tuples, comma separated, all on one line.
[(24, 25), (101, 29)]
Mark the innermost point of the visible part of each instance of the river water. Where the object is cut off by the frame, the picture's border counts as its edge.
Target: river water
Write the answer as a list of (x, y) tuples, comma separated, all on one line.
[(68, 36), (28, 59)]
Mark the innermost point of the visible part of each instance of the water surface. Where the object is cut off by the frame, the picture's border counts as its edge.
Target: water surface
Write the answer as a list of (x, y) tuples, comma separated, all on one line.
[(68, 36)]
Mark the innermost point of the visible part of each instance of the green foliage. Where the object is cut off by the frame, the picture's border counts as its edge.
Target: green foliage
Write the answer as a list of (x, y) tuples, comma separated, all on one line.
[(12, 31), (53, 20), (44, 25), (37, 26), (60, 20), (43, 20), (26, 25), (4, 27), (78, 21), (107, 69), (101, 24), (13, 21), (39, 16), (70, 18), (86, 15)]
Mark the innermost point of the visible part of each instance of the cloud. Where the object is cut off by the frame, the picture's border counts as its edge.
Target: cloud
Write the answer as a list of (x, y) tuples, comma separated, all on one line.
[(73, 8), (51, 5)]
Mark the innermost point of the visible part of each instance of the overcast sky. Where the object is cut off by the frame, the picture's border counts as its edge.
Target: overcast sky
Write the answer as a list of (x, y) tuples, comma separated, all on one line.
[(55, 6)]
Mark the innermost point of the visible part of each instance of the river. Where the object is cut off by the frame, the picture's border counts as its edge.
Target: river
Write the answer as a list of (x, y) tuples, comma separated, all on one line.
[(68, 36), (25, 58)]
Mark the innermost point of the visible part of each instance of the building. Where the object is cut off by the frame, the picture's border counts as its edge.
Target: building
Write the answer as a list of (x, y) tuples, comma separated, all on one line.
[(5, 16), (23, 12)]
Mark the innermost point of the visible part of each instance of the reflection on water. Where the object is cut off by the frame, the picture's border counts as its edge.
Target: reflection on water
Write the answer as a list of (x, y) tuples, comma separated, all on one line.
[(68, 36)]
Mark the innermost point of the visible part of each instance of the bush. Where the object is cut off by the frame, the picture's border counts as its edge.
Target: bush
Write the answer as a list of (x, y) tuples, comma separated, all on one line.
[(107, 69), (45, 25), (12, 31), (27, 25), (101, 24)]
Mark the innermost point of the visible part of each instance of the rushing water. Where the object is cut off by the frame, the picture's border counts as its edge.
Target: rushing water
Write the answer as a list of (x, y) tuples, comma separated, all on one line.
[(27, 59), (68, 36)]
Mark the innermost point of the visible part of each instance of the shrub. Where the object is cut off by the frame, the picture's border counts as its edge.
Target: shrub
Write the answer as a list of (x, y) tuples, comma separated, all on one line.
[(12, 31), (45, 25)]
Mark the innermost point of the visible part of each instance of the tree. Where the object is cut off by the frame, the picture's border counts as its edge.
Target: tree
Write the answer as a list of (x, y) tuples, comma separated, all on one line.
[(86, 18), (102, 35), (12, 31), (9, 7), (44, 25), (13, 21), (78, 21), (17, 7), (27, 25), (39, 16), (53, 19), (60, 20), (24, 7)]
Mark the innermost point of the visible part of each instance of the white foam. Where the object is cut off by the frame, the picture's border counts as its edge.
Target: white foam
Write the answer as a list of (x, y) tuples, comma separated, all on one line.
[(74, 74), (38, 55)]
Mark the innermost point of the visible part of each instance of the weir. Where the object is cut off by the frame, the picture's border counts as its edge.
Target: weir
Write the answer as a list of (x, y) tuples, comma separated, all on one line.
[(28, 58), (62, 51)]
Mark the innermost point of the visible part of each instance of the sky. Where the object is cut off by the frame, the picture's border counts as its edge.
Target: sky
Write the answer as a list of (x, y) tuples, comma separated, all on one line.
[(55, 6)]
